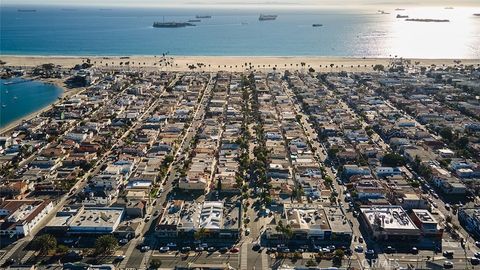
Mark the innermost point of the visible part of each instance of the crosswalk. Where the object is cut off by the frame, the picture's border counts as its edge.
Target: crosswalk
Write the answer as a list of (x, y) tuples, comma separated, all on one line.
[(27, 256), (129, 251), (14, 249), (264, 259), (244, 256)]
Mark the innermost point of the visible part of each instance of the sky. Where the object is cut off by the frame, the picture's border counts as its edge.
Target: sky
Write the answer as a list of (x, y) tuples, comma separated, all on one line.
[(245, 2)]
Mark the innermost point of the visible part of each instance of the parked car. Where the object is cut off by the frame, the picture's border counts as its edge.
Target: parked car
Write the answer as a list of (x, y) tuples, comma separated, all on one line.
[(414, 250), (211, 249), (447, 254), (474, 261), (390, 249), (164, 249), (359, 249), (199, 249), (234, 250), (447, 265), (172, 245), (123, 241)]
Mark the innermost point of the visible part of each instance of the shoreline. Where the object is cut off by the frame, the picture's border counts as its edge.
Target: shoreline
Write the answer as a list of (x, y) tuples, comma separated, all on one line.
[(65, 94), (226, 63)]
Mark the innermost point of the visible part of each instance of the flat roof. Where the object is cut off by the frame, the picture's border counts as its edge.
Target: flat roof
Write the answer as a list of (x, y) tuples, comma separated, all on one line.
[(97, 217), (388, 217), (424, 216), (306, 216)]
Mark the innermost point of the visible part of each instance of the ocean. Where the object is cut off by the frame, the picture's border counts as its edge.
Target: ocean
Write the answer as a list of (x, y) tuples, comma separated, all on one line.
[(238, 32), (24, 97)]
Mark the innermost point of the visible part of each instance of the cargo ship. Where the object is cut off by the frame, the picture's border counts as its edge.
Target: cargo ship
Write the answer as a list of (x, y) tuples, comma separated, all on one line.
[(426, 20), (194, 20), (172, 24), (203, 16), (402, 16), (264, 17), (317, 24)]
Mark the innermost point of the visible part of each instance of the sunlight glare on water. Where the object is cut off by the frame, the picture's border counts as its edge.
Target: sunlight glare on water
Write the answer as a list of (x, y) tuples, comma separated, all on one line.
[(435, 39)]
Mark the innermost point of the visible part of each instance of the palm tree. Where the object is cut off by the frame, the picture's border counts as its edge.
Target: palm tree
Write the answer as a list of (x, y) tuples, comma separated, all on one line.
[(286, 231), (44, 244), (106, 244)]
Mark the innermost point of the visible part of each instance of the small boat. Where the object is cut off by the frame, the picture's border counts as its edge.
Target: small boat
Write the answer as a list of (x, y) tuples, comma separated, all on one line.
[(3, 105), (448, 7), (317, 24), (244, 23), (194, 20), (203, 16), (399, 9), (15, 97), (402, 16)]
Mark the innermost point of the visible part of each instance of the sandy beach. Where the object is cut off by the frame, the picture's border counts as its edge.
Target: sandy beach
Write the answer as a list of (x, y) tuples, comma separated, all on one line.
[(228, 63)]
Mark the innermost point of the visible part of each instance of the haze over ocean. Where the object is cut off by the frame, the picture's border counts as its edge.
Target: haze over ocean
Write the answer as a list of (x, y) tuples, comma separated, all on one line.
[(351, 33)]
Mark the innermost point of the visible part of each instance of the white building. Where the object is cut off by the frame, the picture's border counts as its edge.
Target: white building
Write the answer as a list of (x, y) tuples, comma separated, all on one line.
[(20, 217), (87, 220), (388, 222)]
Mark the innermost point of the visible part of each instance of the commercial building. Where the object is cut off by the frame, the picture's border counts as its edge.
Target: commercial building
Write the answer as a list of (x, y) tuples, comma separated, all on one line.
[(214, 219), (470, 220), (311, 222), (20, 217), (427, 223), (86, 220), (388, 222)]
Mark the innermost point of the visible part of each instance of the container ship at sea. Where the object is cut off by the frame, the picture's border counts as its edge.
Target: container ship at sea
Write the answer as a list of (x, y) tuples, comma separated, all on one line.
[(264, 17), (171, 24)]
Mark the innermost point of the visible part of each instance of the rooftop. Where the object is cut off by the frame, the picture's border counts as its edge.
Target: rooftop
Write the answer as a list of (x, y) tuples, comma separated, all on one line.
[(388, 217), (424, 216)]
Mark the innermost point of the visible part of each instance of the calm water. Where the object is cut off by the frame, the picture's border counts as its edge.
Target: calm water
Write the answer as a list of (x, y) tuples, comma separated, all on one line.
[(360, 33), (23, 98)]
